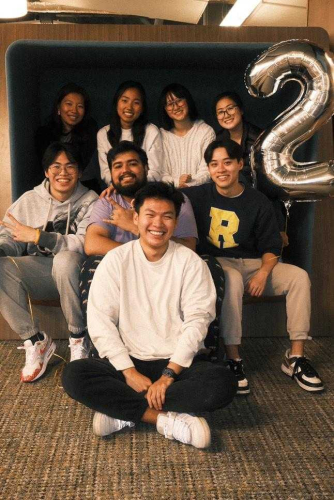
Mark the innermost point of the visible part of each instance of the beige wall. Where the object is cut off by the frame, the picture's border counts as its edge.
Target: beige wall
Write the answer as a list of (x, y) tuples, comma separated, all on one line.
[(323, 276)]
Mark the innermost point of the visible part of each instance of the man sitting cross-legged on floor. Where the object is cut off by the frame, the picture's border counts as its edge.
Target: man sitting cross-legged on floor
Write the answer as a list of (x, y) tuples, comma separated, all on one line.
[(237, 225), (149, 307), (41, 253)]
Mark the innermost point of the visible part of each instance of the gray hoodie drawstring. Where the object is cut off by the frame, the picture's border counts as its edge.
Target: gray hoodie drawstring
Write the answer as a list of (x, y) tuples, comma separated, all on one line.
[(68, 218)]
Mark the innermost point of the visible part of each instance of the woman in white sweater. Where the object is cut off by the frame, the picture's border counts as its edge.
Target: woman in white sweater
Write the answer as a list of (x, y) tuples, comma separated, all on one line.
[(129, 122), (184, 136)]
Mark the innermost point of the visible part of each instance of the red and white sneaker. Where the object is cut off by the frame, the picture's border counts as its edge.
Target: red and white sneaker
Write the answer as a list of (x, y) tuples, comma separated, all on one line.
[(79, 348), (37, 358)]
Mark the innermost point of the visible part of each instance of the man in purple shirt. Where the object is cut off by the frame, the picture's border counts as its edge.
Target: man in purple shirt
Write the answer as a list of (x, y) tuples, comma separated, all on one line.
[(111, 222)]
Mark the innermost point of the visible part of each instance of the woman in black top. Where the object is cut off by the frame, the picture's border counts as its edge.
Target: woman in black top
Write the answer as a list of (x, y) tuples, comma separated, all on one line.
[(229, 110), (70, 122)]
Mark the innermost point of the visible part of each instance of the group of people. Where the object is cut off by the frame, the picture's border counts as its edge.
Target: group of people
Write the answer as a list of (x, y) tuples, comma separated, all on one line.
[(175, 151), (131, 270)]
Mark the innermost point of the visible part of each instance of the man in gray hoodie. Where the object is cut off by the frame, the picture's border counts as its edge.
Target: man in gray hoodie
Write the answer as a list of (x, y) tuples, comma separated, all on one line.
[(41, 253)]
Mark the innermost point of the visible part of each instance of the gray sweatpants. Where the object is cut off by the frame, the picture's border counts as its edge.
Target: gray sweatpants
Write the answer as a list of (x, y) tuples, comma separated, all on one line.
[(284, 279), (43, 278)]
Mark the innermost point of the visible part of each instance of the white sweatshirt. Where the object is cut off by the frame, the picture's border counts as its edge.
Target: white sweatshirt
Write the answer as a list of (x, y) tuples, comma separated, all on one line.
[(152, 145), (185, 154), (150, 310)]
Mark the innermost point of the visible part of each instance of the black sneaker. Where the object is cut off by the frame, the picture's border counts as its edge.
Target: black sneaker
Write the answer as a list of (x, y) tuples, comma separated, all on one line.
[(300, 369), (237, 368)]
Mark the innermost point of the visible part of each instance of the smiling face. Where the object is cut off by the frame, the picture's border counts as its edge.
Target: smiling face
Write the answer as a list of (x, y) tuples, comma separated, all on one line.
[(176, 107), (71, 110), (128, 174), (224, 171), (129, 107), (63, 176), (156, 222), (229, 115)]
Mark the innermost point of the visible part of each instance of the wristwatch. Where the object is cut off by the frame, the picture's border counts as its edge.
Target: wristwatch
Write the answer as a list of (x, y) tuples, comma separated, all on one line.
[(168, 372)]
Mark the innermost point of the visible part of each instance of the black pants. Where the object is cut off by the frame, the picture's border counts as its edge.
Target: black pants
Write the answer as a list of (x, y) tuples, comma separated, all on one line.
[(203, 386), (217, 273)]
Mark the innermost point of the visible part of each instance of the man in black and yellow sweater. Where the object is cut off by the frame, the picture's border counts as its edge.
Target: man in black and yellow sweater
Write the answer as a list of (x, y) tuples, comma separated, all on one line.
[(237, 225)]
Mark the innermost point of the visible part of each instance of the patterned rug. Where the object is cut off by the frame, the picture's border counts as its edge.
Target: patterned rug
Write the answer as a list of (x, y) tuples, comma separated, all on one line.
[(276, 443)]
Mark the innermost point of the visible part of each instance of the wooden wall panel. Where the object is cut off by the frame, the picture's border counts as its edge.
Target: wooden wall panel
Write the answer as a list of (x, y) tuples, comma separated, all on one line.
[(321, 13), (323, 276)]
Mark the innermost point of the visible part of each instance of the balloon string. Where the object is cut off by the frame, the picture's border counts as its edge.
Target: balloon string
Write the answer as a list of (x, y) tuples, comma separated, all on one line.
[(285, 229), (26, 289)]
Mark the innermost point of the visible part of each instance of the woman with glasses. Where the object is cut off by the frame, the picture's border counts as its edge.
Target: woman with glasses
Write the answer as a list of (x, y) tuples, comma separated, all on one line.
[(70, 123), (128, 122), (184, 136), (229, 111)]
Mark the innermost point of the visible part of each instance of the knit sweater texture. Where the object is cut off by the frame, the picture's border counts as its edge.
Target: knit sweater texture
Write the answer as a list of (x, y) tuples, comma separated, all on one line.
[(185, 154)]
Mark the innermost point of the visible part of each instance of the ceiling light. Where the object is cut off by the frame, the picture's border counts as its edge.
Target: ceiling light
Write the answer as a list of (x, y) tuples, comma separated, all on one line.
[(9, 9), (239, 12)]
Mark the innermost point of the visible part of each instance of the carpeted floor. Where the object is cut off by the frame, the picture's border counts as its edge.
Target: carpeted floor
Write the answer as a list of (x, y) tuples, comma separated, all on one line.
[(276, 443)]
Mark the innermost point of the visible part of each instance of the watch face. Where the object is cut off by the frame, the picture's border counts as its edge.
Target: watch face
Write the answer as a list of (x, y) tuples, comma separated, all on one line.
[(168, 372)]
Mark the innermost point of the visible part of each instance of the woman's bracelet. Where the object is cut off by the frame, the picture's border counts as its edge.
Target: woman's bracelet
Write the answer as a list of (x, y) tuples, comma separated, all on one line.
[(38, 235)]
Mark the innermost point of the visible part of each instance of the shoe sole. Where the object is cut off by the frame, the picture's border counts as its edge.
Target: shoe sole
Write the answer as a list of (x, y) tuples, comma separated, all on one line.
[(243, 392), (49, 353), (100, 421), (289, 373), (206, 441), (97, 425)]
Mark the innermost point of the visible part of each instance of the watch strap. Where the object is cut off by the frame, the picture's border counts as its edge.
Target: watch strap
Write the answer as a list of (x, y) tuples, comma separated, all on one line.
[(169, 372)]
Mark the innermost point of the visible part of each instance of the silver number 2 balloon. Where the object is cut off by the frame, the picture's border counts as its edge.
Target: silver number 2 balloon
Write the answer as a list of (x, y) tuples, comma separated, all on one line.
[(272, 155)]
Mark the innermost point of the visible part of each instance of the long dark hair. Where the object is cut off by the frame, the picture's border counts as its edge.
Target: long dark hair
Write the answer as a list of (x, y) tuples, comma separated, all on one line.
[(181, 92), (80, 131), (138, 127)]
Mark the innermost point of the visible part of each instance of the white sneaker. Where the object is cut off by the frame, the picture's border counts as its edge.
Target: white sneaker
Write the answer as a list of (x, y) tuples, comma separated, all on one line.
[(37, 358), (184, 428), (79, 348), (104, 425)]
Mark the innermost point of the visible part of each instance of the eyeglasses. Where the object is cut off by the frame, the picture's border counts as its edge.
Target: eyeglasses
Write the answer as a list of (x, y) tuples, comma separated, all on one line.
[(178, 102), (230, 110), (70, 169)]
